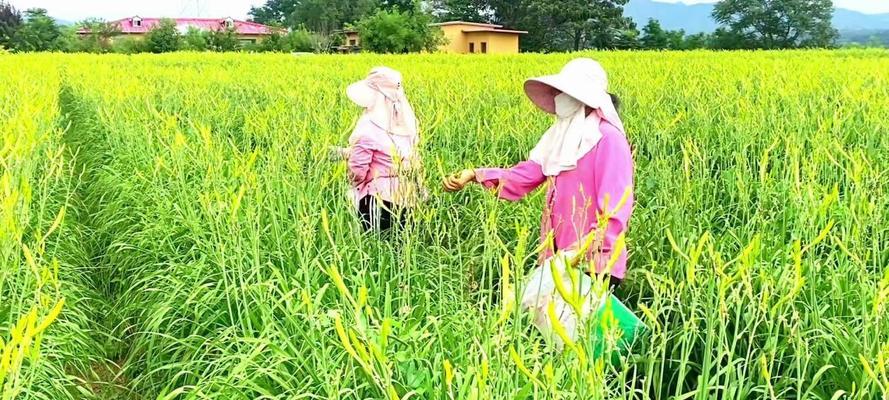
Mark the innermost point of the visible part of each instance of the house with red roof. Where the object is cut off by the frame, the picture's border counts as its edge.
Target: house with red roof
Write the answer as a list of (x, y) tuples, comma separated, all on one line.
[(247, 32)]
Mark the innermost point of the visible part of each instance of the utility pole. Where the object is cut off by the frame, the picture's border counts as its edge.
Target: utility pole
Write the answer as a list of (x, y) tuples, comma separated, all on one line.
[(192, 8)]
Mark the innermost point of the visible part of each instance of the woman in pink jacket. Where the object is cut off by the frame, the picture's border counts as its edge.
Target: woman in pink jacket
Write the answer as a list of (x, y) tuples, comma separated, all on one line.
[(382, 159), (584, 159)]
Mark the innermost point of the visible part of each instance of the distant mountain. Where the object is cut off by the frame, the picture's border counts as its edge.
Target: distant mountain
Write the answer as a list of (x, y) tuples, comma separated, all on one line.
[(865, 37), (853, 20), (695, 18)]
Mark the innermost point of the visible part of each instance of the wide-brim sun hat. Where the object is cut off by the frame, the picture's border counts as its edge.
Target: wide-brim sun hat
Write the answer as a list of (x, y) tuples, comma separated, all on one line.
[(361, 94), (382, 96), (364, 92), (582, 78)]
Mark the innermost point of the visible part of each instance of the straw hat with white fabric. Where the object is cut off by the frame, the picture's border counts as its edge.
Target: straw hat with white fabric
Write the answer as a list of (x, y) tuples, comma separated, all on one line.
[(582, 83), (382, 96)]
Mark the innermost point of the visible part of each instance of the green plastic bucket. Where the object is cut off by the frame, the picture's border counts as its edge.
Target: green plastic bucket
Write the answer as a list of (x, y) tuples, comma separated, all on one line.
[(614, 317)]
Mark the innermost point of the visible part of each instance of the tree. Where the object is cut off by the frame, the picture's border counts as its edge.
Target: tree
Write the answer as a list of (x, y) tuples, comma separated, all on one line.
[(627, 38), (163, 38), (396, 32), (10, 22), (195, 40), (653, 36), (38, 33), (608, 28), (223, 40), (98, 38), (511, 13), (327, 16), (778, 24), (567, 24), (460, 10), (301, 40), (724, 39), (675, 39), (697, 41), (274, 12), (656, 38), (316, 22), (402, 6), (274, 43), (875, 41), (129, 45), (322, 16), (518, 14)]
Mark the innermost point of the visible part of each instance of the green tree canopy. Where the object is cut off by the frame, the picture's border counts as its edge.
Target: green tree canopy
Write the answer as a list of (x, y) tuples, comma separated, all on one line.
[(326, 16), (653, 36), (460, 10), (301, 40), (396, 32), (99, 38), (725, 39), (323, 16), (676, 40), (129, 45), (697, 41), (163, 38), (10, 22), (553, 25), (195, 40), (274, 12), (39, 33), (223, 40), (778, 24), (402, 6)]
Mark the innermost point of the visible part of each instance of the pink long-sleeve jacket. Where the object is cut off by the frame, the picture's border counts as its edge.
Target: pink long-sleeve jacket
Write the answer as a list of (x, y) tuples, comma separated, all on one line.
[(576, 198), (372, 162)]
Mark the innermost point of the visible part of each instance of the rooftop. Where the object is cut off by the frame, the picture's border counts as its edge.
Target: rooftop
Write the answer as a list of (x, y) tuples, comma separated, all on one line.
[(137, 25), (492, 26), (495, 30)]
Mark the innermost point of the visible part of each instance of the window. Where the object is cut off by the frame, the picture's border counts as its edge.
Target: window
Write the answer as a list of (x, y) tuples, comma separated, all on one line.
[(229, 23), (353, 42), (472, 47), (484, 47), (137, 21)]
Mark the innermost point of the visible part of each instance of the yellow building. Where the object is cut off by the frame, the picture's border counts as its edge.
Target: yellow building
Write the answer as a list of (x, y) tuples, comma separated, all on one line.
[(460, 37), (352, 43), (471, 37)]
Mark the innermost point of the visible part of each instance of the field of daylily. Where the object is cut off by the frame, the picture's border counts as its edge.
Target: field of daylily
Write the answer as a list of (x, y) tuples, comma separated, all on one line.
[(171, 227)]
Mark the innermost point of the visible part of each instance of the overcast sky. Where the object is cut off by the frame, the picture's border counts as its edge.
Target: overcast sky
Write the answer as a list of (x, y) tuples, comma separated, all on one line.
[(74, 10)]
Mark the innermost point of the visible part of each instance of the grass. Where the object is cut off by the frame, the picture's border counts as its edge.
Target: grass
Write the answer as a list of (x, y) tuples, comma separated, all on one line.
[(208, 249)]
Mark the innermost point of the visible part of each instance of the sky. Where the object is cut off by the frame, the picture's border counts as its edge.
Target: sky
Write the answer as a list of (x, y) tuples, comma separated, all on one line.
[(865, 6), (74, 10)]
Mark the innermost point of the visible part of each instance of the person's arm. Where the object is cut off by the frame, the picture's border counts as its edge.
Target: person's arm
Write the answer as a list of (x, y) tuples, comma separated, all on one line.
[(360, 157), (511, 183)]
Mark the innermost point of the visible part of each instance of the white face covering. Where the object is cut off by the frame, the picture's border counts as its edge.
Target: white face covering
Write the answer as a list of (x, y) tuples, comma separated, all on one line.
[(566, 106), (571, 137)]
